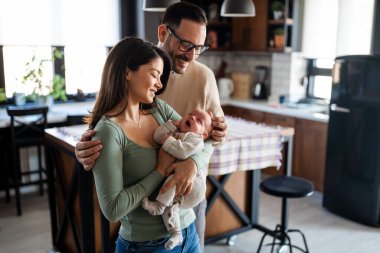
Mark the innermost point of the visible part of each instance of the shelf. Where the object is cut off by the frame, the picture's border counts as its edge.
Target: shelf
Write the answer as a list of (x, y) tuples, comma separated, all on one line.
[(286, 21), (280, 49)]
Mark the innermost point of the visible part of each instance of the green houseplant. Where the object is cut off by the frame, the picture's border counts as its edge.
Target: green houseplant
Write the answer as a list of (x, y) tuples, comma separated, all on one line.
[(44, 91), (277, 9)]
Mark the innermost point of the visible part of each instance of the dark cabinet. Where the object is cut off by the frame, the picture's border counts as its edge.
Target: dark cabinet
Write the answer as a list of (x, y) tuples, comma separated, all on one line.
[(264, 32), (219, 29), (247, 114), (251, 33)]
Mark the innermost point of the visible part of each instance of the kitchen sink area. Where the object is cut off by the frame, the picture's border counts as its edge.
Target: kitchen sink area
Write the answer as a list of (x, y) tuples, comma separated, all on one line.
[(310, 111)]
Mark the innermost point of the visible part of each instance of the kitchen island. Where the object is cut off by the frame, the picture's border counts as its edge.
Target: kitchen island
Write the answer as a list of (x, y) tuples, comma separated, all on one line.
[(76, 220)]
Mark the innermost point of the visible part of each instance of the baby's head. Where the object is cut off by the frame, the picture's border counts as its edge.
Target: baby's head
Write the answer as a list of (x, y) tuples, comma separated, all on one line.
[(197, 121)]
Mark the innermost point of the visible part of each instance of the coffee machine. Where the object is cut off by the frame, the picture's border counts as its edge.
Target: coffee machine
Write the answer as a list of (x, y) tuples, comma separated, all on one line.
[(259, 90)]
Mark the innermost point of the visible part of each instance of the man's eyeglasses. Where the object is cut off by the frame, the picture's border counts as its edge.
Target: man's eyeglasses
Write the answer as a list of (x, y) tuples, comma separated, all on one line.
[(186, 46)]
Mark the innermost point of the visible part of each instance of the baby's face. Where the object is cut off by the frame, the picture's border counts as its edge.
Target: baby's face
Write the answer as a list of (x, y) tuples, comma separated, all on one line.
[(198, 121)]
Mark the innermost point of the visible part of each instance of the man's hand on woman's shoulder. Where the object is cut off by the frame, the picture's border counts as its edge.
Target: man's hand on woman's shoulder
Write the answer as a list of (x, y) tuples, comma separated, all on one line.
[(87, 151)]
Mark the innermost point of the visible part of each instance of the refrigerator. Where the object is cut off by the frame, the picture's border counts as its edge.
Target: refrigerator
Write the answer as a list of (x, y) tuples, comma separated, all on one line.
[(352, 171)]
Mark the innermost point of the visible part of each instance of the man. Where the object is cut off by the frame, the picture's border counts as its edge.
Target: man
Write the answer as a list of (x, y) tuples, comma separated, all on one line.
[(181, 34)]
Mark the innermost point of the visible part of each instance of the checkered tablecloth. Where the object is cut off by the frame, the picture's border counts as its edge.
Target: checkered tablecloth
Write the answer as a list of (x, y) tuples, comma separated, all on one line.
[(249, 146)]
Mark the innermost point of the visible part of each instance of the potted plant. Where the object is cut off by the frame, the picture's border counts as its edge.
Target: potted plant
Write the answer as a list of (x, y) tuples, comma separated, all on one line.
[(277, 9), (278, 35), (32, 81), (44, 91)]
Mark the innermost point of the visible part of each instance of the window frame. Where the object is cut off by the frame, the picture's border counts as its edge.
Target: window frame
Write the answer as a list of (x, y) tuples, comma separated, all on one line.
[(58, 68), (312, 71)]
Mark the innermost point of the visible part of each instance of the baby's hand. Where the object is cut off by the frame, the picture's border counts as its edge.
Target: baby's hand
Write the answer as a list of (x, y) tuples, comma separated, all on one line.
[(164, 138), (175, 123)]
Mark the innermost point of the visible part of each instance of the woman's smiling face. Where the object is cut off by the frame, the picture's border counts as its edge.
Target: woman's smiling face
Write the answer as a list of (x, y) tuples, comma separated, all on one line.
[(145, 82)]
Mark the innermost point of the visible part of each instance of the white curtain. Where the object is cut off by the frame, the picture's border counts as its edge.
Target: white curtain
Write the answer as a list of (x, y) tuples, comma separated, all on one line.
[(355, 25), (59, 22), (337, 27)]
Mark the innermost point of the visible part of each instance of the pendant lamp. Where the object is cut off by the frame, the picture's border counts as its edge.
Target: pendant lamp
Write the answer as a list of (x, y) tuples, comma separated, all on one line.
[(157, 5), (238, 8)]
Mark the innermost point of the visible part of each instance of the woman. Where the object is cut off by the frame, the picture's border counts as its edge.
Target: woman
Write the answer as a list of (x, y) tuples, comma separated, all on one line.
[(125, 115)]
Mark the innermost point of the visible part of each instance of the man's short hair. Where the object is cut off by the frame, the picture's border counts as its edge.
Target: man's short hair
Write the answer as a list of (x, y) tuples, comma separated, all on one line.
[(183, 10)]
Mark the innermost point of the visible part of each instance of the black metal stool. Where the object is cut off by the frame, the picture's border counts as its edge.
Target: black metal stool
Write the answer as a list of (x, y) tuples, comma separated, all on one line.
[(285, 187)]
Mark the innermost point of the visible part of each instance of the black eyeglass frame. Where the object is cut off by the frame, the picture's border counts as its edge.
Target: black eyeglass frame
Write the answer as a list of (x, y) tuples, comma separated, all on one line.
[(187, 48)]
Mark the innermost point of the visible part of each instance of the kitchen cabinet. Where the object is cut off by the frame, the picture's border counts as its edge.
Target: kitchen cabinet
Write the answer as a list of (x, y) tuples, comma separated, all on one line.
[(264, 31), (279, 120), (280, 25), (219, 29), (247, 114), (309, 156), (309, 145), (250, 33)]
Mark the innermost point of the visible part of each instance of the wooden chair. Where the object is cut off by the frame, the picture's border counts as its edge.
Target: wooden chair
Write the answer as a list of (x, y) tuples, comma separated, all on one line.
[(27, 130)]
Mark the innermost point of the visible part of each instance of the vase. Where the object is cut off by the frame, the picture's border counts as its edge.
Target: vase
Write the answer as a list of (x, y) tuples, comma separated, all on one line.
[(277, 14), (45, 100), (20, 98)]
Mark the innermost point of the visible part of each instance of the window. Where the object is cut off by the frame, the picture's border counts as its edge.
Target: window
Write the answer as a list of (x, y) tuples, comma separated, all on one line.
[(319, 78), (333, 28), (84, 67), (83, 33), (15, 60)]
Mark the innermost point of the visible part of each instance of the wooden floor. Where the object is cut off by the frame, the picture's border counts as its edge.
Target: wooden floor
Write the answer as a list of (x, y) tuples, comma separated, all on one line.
[(325, 232)]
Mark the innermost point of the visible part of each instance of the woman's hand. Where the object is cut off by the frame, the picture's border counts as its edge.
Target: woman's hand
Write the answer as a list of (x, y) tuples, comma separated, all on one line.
[(87, 151), (164, 160), (183, 177)]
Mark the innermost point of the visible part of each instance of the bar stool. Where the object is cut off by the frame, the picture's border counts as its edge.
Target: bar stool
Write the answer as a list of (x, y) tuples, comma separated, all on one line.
[(285, 187), (27, 130)]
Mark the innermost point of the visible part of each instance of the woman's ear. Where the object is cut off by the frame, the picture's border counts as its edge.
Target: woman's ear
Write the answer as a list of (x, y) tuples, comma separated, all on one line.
[(129, 73), (162, 33), (205, 135)]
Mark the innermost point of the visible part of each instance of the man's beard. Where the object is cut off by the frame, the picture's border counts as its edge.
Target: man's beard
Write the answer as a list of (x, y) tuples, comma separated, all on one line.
[(173, 58)]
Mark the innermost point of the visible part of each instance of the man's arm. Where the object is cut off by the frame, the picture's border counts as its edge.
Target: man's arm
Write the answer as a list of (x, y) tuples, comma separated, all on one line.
[(87, 151)]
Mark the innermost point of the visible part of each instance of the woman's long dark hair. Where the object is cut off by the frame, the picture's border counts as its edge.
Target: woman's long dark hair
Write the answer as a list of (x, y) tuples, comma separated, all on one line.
[(128, 54)]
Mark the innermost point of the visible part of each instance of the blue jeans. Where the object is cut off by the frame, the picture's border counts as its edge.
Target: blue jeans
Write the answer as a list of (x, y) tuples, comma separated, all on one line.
[(190, 244), (200, 222)]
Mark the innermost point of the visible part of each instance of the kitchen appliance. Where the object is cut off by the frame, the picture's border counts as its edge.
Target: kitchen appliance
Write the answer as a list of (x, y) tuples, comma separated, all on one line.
[(259, 90), (352, 173), (226, 87)]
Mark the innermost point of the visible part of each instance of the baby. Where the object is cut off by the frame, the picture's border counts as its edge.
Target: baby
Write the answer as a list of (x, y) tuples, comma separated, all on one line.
[(180, 139)]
